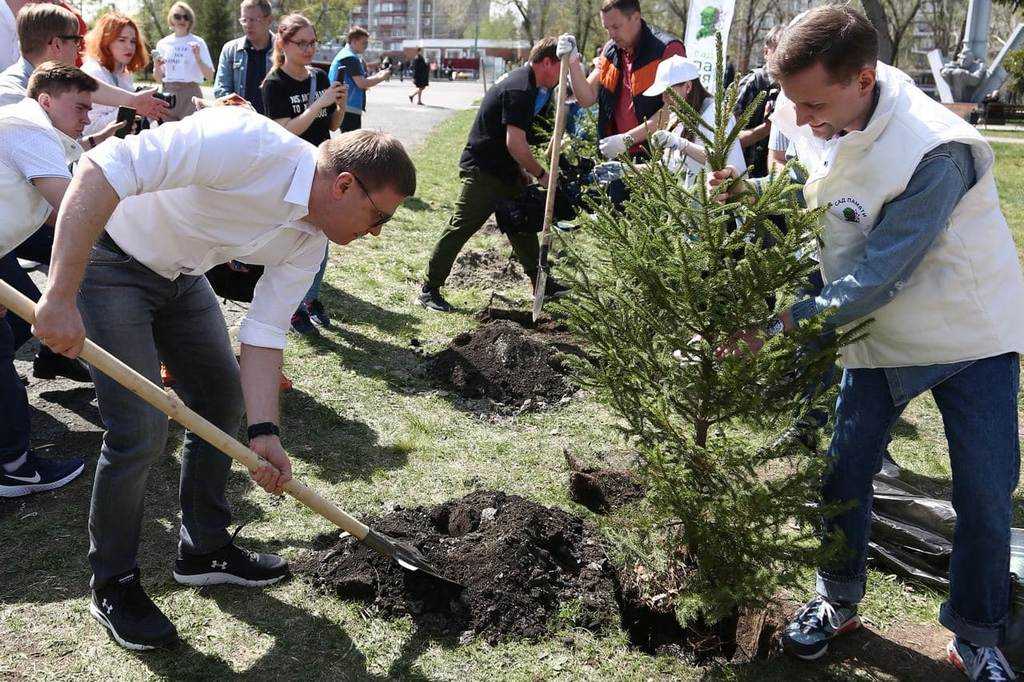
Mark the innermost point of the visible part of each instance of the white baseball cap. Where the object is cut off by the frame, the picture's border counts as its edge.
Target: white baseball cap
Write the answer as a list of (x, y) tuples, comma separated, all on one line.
[(672, 71)]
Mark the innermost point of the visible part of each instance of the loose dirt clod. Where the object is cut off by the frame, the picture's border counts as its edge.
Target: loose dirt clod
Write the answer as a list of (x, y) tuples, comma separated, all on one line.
[(524, 566), (488, 267), (503, 362), (604, 490)]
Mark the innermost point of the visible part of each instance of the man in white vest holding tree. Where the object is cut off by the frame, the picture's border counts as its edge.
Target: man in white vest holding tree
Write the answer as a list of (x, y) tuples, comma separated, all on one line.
[(913, 237)]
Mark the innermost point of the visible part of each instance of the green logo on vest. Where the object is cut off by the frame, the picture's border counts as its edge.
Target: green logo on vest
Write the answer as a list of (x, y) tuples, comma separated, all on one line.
[(850, 216)]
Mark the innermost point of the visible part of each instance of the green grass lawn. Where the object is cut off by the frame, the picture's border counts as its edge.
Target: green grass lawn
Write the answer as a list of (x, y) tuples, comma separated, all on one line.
[(365, 432)]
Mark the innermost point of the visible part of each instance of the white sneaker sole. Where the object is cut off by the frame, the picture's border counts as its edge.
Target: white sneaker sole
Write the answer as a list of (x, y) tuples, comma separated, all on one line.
[(203, 579), (30, 488), (102, 619)]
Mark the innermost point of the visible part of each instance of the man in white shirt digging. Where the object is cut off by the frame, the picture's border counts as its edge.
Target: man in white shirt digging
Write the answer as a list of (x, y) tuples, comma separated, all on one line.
[(223, 184)]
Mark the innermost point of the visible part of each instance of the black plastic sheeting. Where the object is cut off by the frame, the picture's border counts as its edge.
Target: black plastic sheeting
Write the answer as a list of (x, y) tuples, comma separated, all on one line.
[(911, 533), (912, 536)]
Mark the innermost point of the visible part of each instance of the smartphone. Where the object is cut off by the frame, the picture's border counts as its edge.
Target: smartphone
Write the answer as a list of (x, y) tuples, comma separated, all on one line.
[(341, 75), (127, 115)]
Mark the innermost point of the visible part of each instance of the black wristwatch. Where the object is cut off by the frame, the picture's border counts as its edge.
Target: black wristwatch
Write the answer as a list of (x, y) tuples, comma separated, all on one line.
[(263, 429)]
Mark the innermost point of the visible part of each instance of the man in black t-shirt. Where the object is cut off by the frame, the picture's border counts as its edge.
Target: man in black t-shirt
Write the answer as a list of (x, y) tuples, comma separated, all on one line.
[(495, 165)]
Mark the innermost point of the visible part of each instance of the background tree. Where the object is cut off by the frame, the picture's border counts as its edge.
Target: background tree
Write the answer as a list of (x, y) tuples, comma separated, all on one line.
[(892, 19)]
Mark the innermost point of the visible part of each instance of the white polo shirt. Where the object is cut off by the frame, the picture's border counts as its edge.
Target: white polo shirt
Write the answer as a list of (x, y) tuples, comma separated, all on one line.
[(223, 184), (9, 49)]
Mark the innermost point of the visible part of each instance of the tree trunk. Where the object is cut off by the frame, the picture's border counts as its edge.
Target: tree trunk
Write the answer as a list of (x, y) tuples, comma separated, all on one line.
[(876, 14)]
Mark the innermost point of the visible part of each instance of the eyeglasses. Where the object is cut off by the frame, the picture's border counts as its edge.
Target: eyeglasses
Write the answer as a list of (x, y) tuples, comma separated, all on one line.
[(382, 216), (79, 40), (181, 17), (304, 44)]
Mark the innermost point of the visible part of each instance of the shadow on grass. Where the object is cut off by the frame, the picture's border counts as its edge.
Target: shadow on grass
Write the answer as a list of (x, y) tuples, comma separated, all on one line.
[(77, 400), (863, 654), (348, 309), (305, 646), (416, 204), (339, 449)]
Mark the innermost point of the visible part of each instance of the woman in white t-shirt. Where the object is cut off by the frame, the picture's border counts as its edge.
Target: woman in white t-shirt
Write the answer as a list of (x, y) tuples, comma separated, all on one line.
[(115, 50), (681, 153), (182, 61)]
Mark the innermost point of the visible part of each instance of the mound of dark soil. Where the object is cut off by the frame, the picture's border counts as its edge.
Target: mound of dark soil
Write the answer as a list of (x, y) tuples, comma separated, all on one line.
[(503, 362), (487, 267), (521, 565)]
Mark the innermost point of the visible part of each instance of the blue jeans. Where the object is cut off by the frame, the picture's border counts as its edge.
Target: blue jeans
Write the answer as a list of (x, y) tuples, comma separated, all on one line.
[(979, 412), (15, 430), (135, 314), (314, 289)]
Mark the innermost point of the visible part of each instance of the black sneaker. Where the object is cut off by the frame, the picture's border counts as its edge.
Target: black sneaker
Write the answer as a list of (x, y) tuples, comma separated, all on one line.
[(38, 475), (815, 625), (430, 297), (554, 290), (134, 621), (317, 314), (50, 365), (230, 565), (301, 324)]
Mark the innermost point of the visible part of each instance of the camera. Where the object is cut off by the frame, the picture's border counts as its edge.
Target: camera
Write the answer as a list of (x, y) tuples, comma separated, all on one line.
[(169, 98)]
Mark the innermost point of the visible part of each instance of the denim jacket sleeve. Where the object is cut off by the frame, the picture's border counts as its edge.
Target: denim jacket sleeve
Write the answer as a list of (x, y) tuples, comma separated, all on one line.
[(224, 83), (906, 229)]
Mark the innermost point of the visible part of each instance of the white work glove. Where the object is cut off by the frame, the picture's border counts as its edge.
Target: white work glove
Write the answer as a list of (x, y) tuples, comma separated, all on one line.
[(669, 140), (566, 45), (613, 146)]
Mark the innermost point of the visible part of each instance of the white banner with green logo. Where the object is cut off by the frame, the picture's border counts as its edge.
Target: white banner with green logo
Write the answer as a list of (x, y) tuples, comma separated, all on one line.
[(705, 19)]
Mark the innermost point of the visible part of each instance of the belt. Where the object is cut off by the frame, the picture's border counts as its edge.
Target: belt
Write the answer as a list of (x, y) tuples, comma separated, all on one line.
[(107, 242)]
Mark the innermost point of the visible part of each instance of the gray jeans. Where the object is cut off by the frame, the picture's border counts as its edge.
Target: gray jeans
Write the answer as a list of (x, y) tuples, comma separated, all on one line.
[(143, 318)]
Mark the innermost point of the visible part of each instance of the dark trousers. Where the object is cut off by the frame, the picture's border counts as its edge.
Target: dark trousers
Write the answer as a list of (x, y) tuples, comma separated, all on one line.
[(351, 122), (135, 314), (476, 203), (15, 429)]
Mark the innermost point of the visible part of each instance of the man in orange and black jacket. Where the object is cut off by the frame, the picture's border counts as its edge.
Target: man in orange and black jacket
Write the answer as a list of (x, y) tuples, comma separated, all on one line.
[(625, 68)]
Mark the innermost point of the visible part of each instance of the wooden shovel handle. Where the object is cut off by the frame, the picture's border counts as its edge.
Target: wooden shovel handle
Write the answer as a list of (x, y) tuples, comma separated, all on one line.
[(549, 202), (168, 403)]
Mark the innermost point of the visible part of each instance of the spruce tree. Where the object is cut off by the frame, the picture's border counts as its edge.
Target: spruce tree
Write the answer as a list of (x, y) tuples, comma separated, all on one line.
[(660, 288)]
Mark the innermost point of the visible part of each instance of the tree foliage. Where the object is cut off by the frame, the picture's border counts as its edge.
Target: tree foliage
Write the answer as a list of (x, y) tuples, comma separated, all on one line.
[(658, 289)]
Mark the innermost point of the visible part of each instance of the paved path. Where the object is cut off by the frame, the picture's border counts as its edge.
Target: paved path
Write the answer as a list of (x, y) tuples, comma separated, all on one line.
[(388, 108), (1005, 140)]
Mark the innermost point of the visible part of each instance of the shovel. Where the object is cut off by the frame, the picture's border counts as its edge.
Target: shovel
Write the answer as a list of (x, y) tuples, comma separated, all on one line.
[(549, 204), (405, 554)]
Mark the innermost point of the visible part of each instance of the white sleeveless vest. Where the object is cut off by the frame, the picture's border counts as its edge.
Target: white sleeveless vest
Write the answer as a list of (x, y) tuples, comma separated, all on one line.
[(23, 208), (965, 300)]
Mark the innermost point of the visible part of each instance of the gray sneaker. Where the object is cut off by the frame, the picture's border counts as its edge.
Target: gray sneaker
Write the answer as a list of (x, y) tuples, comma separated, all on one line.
[(983, 663), (814, 625)]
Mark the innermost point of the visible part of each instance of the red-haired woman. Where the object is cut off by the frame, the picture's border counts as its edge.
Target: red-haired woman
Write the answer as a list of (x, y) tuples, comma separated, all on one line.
[(115, 50)]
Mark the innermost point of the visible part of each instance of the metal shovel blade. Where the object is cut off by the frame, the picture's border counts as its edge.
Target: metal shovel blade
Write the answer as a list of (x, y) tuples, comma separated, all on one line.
[(407, 556)]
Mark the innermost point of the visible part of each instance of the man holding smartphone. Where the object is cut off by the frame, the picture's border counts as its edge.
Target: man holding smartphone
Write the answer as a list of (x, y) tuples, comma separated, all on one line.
[(348, 67)]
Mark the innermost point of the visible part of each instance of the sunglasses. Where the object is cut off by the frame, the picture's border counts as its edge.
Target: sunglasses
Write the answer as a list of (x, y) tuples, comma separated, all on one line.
[(382, 217), (181, 17), (79, 40)]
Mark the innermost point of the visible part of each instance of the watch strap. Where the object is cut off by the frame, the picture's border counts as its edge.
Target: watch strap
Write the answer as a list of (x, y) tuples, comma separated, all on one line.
[(263, 429)]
